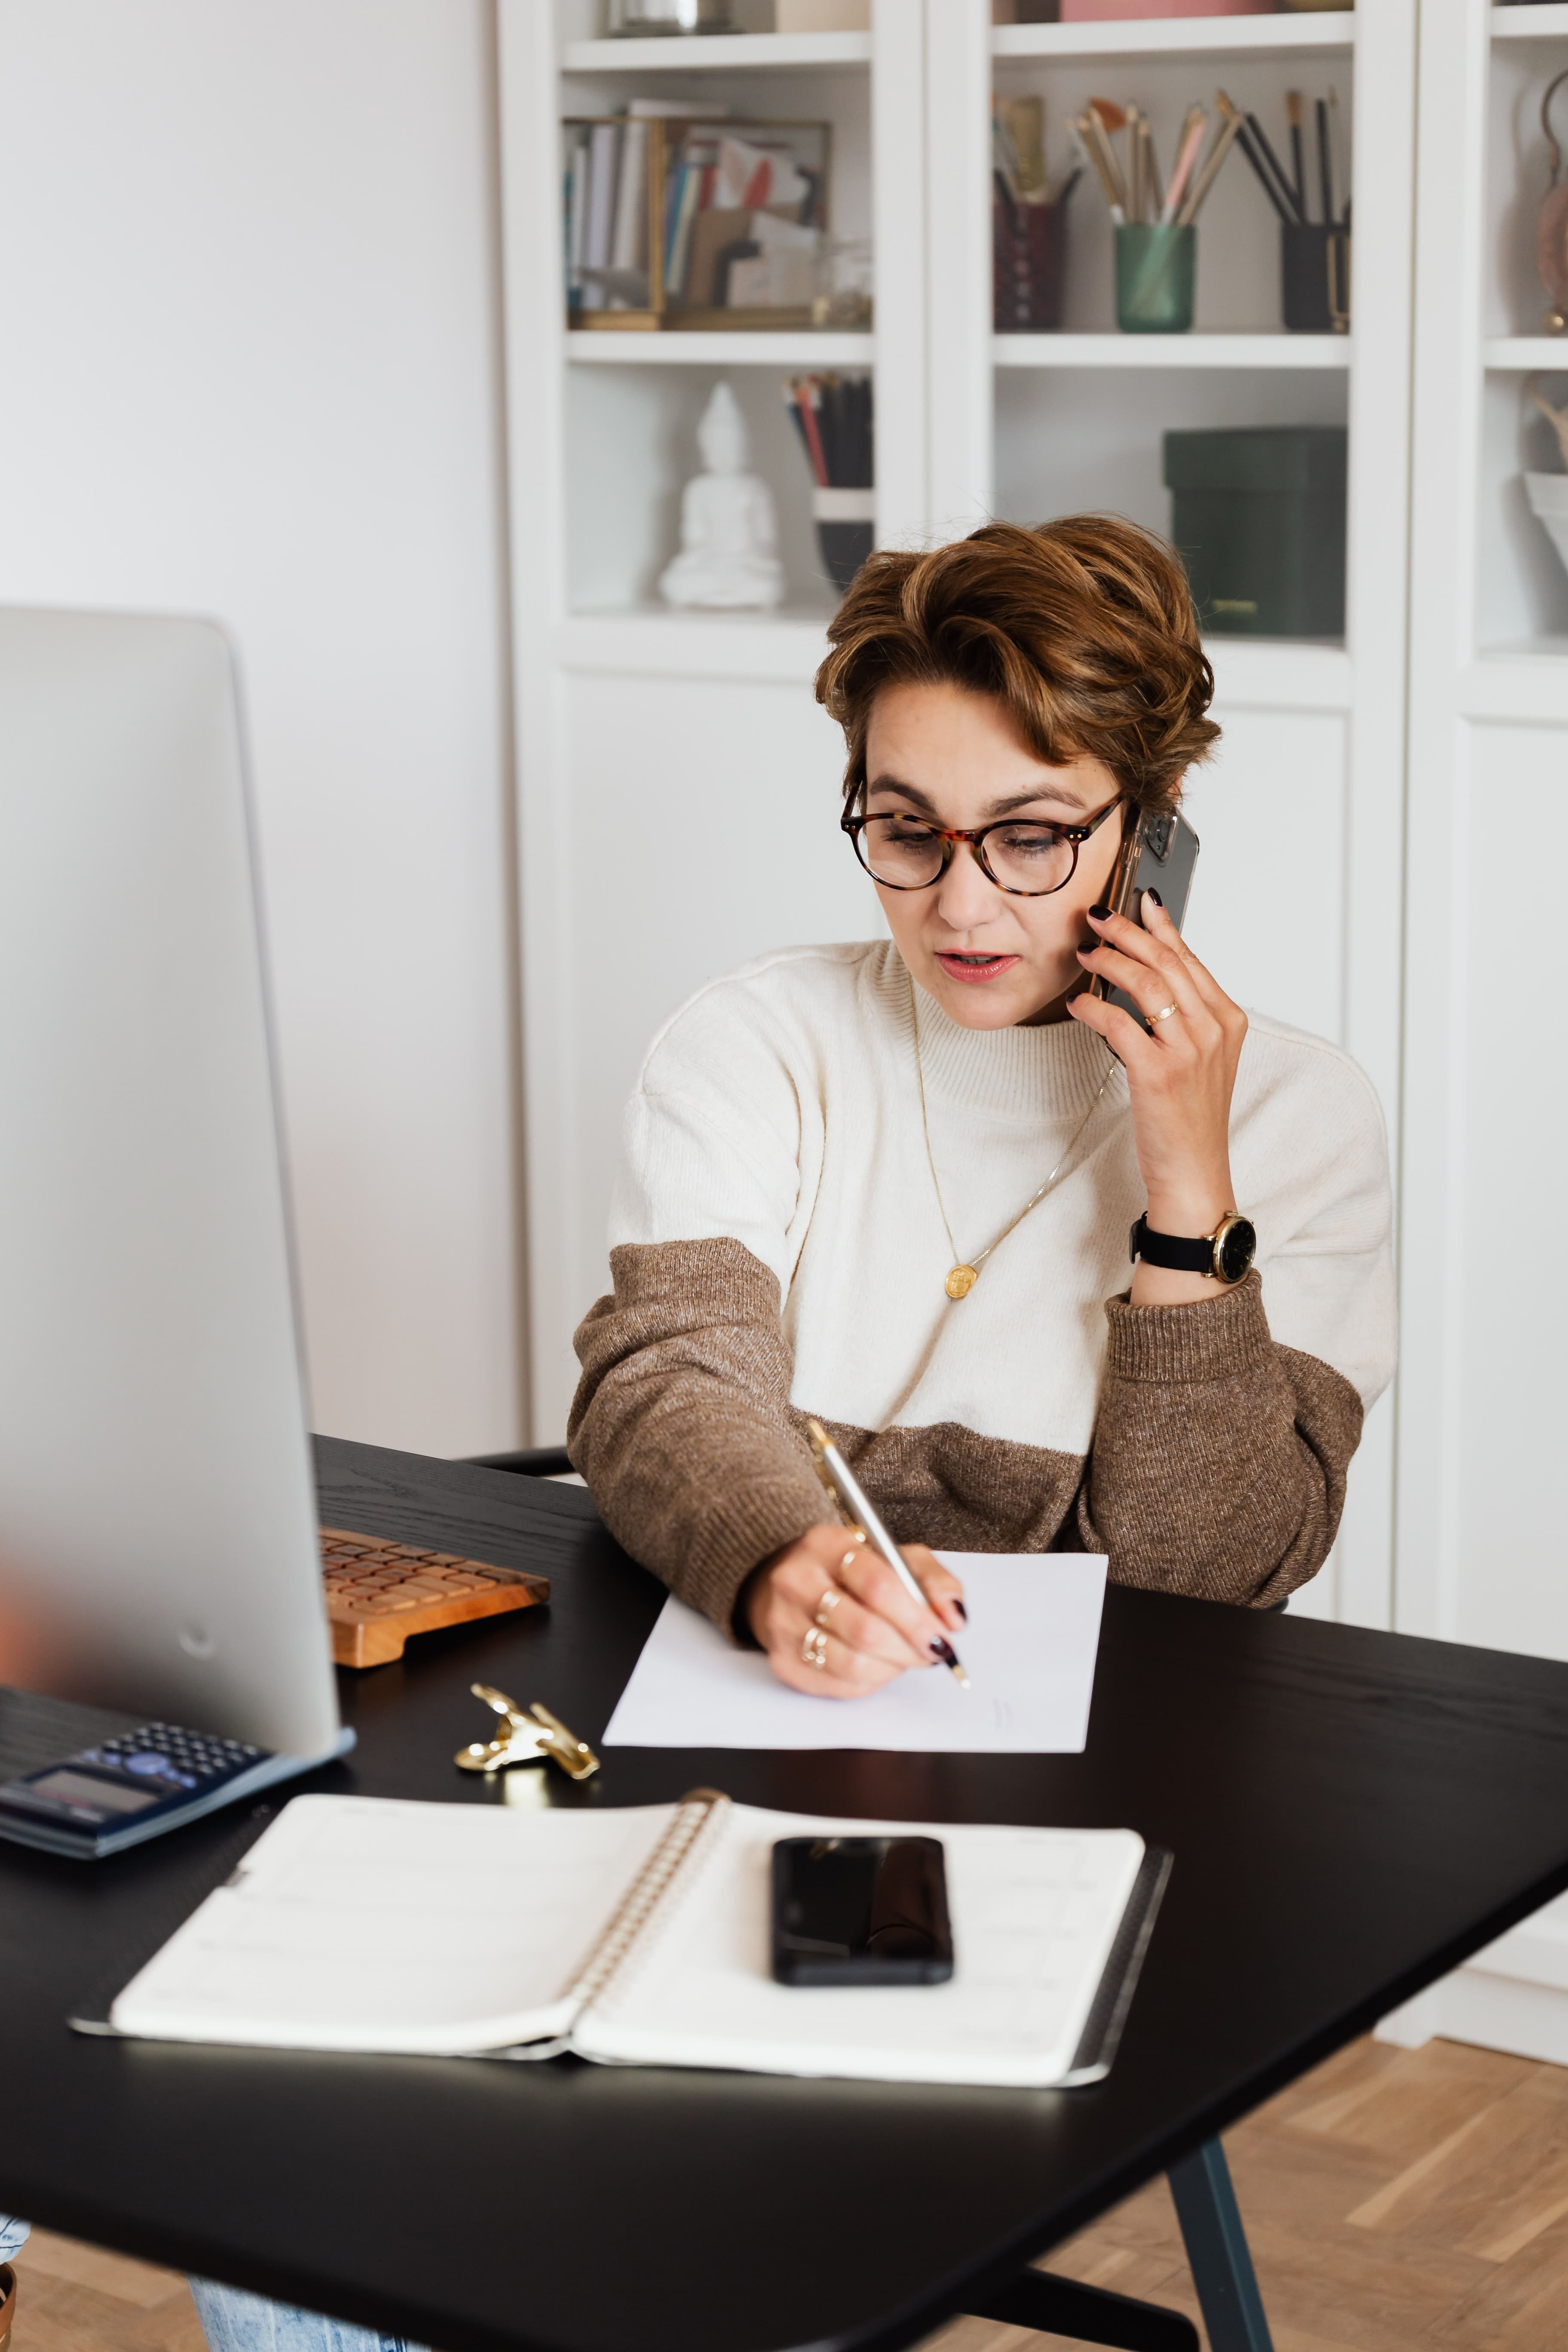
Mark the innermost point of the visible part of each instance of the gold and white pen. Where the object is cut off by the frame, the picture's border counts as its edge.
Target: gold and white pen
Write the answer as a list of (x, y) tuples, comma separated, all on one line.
[(856, 1511)]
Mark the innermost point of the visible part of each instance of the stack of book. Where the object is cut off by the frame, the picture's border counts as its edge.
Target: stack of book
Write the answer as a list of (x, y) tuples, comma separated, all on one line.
[(671, 222)]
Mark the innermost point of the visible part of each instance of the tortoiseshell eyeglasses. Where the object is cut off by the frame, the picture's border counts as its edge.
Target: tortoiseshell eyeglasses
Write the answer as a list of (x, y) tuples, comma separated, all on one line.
[(1025, 859)]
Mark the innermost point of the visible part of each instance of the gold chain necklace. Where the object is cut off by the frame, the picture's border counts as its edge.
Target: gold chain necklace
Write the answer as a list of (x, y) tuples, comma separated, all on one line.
[(965, 1274)]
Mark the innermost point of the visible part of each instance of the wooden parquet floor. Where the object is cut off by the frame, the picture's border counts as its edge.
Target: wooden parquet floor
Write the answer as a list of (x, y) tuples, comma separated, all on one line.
[(1397, 2200), (77, 2298)]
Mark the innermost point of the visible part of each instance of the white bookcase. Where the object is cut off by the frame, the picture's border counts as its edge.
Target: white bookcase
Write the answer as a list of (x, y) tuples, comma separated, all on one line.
[(678, 787), (1368, 825)]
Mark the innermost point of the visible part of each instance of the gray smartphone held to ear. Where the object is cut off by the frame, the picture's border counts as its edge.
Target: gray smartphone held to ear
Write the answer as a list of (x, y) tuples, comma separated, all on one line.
[(1157, 853)]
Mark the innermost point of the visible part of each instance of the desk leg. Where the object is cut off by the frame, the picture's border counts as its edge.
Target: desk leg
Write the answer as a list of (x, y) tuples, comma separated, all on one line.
[(1049, 2305), (1217, 2252)]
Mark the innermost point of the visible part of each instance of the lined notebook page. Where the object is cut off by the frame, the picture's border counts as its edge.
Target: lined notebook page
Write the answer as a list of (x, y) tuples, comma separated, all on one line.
[(1035, 1913), (363, 1922)]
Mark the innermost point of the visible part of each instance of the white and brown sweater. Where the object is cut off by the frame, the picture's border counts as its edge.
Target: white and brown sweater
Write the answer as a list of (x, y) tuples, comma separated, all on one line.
[(777, 1250)]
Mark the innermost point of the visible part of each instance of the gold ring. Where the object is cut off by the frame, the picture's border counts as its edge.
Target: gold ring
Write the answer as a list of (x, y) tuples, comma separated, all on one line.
[(827, 1604), (814, 1648), (849, 1558), (1166, 1014)]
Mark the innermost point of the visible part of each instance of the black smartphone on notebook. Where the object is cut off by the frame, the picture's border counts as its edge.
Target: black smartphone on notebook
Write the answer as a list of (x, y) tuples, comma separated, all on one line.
[(861, 1911)]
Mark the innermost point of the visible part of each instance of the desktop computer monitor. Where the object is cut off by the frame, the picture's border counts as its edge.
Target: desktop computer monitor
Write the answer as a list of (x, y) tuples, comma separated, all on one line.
[(159, 1553)]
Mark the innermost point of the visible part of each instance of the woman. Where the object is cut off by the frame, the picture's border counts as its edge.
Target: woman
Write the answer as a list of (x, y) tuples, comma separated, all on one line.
[(890, 1186), (815, 1141)]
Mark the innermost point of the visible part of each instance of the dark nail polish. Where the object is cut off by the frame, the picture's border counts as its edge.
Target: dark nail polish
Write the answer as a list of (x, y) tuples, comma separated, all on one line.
[(946, 1651), (961, 1610), (1155, 896), (1099, 914)]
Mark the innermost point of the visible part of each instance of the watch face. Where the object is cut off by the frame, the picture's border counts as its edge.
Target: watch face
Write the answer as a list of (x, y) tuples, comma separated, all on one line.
[(1236, 1249)]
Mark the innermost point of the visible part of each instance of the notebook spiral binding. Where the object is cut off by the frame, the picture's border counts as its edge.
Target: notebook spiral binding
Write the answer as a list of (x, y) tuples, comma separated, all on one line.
[(699, 1811)]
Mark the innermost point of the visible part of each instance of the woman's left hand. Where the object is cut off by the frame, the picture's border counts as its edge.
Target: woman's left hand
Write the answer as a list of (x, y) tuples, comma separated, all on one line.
[(1180, 1078)]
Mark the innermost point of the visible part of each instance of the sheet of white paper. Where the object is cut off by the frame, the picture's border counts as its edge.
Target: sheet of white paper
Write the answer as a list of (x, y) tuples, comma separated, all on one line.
[(1028, 1650)]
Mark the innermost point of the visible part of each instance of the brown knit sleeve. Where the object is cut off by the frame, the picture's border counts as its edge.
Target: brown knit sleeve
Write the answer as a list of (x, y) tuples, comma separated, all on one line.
[(1219, 1457), (681, 1420)]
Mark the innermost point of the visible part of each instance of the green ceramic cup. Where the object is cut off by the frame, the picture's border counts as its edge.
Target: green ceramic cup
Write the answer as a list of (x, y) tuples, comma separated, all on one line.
[(1156, 272)]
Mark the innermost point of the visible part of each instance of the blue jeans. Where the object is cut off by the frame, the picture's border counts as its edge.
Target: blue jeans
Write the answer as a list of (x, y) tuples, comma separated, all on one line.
[(233, 2321)]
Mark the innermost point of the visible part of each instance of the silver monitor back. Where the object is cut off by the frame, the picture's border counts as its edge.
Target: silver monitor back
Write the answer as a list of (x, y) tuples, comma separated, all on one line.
[(158, 1546)]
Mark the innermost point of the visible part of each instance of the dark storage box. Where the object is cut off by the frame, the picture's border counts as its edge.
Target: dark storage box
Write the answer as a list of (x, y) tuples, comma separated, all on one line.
[(1258, 514)]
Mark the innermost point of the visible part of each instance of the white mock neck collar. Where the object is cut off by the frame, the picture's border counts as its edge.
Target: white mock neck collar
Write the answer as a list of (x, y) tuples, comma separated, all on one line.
[(1051, 1072)]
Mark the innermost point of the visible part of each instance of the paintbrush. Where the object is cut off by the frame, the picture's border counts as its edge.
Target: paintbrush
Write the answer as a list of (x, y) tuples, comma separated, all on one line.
[(1325, 167), (1245, 142), (1187, 149), (1298, 155), (1004, 171), (1151, 169), (1108, 118), (1145, 167), (792, 402), (1259, 138), (1004, 153), (1336, 149), (1230, 124), (1098, 132), (1082, 129), (1008, 201)]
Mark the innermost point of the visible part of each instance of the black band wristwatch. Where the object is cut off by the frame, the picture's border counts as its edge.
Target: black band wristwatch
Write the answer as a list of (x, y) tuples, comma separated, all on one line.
[(1224, 1255)]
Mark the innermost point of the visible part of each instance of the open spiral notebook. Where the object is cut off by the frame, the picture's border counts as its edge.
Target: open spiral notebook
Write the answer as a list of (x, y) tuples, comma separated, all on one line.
[(639, 1937)]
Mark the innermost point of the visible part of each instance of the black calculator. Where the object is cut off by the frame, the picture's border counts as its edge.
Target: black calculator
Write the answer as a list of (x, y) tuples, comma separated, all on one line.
[(129, 1786)]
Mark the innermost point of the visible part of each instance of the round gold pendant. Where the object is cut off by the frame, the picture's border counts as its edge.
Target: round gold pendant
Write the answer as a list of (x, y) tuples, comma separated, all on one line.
[(962, 1281)]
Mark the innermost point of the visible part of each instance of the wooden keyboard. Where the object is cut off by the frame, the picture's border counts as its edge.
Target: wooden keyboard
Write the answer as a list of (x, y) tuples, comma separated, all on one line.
[(378, 1593)]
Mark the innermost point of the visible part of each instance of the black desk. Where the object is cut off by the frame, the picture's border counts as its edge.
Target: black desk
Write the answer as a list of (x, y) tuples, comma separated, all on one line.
[(1351, 1814)]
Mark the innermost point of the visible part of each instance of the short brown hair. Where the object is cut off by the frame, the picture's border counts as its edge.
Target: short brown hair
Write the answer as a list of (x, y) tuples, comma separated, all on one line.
[(1083, 627)]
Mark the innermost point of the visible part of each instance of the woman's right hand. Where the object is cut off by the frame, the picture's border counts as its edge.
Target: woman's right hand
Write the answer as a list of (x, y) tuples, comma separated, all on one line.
[(873, 1629)]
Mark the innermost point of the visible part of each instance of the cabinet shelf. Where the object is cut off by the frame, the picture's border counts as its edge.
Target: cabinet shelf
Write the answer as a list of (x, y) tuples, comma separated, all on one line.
[(720, 53), (1516, 354), (650, 641), (804, 348), (1276, 349), (1185, 37), (1535, 24)]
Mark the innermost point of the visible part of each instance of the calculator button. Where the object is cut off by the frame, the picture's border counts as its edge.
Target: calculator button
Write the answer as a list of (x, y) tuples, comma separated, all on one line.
[(148, 1765)]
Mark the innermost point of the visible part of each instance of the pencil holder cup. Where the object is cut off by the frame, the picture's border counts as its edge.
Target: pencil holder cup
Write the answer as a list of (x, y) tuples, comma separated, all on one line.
[(1028, 249), (1314, 278), (846, 520), (1156, 273)]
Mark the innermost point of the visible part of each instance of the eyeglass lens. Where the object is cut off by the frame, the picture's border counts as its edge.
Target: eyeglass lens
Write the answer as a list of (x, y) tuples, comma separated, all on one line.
[(906, 855)]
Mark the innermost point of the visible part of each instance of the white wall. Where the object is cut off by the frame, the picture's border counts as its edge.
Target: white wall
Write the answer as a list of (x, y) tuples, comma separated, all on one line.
[(248, 367)]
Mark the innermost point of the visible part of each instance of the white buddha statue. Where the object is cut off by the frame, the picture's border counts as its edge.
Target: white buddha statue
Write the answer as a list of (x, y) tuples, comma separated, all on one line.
[(729, 534)]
